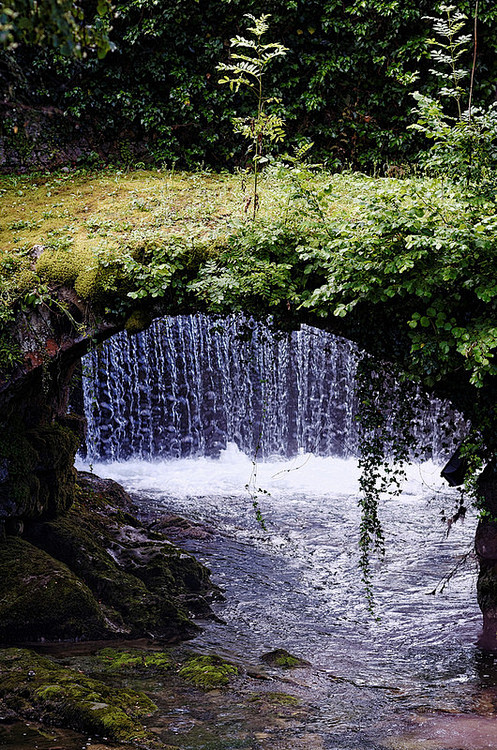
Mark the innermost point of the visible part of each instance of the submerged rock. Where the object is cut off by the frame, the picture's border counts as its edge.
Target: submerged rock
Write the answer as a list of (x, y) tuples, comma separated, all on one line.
[(35, 688), (283, 659), (208, 671)]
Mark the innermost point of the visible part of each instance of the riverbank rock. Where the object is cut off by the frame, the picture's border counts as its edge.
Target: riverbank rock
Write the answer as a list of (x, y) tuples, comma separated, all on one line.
[(97, 572), (35, 688), (177, 528), (41, 598)]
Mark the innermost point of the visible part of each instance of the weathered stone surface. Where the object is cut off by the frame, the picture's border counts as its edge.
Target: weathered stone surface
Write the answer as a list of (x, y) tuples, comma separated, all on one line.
[(41, 598), (486, 549), (177, 527), (96, 572), (486, 540), (34, 687)]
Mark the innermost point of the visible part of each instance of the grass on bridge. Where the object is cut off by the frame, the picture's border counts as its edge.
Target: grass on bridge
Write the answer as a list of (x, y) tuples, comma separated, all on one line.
[(108, 208)]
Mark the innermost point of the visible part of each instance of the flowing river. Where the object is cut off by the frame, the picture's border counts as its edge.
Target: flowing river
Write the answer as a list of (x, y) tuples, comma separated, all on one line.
[(174, 415), (409, 678)]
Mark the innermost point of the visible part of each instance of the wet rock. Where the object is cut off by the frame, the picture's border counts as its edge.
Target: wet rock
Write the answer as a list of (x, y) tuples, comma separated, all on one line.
[(276, 698), (7, 715), (486, 540), (41, 598), (105, 492), (137, 583), (283, 659), (57, 696), (177, 527), (97, 572)]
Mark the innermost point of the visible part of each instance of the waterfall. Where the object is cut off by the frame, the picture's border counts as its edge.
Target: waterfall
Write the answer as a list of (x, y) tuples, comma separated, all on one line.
[(189, 385)]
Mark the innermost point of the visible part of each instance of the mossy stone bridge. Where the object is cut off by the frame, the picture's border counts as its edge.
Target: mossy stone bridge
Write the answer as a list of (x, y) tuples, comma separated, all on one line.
[(70, 301)]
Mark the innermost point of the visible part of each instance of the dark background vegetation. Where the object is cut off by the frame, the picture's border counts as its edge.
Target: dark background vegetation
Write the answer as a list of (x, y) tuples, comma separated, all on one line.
[(155, 98)]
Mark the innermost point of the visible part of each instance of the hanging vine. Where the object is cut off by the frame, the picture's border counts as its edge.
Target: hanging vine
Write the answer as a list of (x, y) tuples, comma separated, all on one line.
[(386, 442)]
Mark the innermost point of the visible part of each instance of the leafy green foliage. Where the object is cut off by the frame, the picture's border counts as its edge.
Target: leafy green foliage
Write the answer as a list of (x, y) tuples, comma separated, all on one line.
[(431, 245), (447, 54), (254, 272), (462, 145), (385, 417), (60, 24), (156, 98)]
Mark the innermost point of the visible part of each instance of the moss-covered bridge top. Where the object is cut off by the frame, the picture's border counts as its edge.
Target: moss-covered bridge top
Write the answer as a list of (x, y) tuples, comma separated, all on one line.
[(405, 266)]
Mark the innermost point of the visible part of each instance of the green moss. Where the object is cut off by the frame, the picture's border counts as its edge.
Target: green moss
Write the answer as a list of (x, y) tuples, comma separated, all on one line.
[(26, 280), (17, 276), (282, 659), (279, 699), (287, 662), (138, 321), (58, 267), (117, 660), (70, 266), (207, 672), (34, 686), (41, 598), (87, 283)]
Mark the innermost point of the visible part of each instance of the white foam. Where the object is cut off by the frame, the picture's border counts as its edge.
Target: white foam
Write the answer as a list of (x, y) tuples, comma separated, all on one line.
[(230, 474)]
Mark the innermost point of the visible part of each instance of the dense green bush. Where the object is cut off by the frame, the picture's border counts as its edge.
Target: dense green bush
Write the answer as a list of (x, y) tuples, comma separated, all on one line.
[(342, 82)]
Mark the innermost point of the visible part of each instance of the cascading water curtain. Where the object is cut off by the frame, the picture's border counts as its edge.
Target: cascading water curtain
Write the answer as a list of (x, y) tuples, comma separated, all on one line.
[(188, 386)]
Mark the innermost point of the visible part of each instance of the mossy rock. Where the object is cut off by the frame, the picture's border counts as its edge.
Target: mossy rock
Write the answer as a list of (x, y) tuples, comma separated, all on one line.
[(55, 446), (38, 689), (276, 698), (130, 606), (62, 266), (487, 587), (78, 267), (18, 495), (138, 321), (144, 584), (40, 466), (283, 659), (95, 572), (99, 493), (115, 660), (169, 572), (41, 598), (208, 672)]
